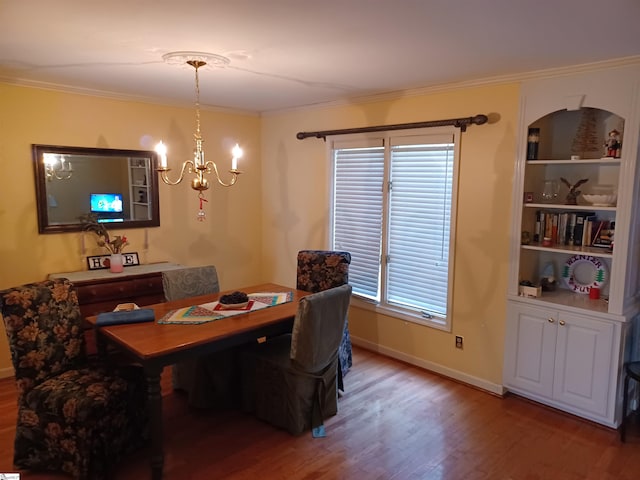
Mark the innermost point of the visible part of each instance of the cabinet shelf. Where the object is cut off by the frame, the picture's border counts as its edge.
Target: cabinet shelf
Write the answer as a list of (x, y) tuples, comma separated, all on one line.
[(557, 206), (581, 161), (571, 250), (574, 302)]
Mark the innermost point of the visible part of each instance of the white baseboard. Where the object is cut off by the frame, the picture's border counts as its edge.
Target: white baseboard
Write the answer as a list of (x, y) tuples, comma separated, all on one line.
[(497, 389), (6, 372)]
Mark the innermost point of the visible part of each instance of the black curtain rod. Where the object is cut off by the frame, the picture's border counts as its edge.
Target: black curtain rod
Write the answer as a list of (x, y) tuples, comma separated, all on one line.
[(460, 123)]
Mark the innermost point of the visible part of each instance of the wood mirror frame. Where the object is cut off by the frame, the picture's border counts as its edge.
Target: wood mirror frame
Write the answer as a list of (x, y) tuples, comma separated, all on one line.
[(62, 195)]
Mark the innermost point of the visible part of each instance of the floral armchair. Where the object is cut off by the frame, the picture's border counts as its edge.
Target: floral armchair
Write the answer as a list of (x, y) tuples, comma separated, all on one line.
[(320, 270), (73, 417)]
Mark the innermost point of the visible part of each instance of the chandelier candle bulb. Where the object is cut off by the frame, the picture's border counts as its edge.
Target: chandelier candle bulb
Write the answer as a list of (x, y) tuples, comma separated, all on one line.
[(161, 149), (237, 153)]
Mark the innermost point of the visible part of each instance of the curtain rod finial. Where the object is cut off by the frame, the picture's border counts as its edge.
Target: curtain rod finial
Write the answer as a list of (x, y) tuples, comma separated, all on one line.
[(480, 119)]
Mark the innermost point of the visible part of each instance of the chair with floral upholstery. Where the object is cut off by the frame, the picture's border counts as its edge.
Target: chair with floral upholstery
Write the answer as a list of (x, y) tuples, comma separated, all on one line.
[(208, 381), (320, 270), (73, 417)]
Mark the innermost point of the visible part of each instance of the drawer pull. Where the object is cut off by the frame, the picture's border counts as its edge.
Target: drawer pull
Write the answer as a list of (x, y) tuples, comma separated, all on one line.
[(561, 322), (550, 320)]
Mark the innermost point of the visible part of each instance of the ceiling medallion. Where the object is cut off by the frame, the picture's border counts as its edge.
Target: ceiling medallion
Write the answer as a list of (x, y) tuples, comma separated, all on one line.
[(188, 58)]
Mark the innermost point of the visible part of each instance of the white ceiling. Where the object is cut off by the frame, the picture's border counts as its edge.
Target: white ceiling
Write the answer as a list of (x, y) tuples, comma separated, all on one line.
[(292, 53)]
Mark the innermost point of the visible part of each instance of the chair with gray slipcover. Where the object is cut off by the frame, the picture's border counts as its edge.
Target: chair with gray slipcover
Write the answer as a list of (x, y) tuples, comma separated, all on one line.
[(318, 270), (204, 379), (290, 381)]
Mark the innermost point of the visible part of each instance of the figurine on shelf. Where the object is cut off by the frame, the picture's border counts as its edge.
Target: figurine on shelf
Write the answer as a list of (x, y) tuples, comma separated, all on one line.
[(612, 145), (572, 196)]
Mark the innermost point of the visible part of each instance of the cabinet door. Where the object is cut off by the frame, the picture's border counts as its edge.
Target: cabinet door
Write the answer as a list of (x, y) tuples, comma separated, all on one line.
[(583, 363), (530, 349)]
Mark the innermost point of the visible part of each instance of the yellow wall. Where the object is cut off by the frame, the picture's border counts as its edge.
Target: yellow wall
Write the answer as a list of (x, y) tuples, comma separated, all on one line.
[(295, 216), (279, 206), (230, 238)]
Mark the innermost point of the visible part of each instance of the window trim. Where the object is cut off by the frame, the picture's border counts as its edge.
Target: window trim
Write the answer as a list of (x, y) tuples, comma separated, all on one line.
[(390, 138)]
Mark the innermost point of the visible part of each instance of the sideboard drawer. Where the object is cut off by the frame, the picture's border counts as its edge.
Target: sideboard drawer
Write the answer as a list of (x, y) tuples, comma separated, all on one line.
[(100, 292), (148, 286)]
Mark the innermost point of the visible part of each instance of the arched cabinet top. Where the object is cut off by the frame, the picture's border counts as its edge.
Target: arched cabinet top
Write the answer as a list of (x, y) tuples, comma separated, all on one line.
[(614, 90), (581, 133)]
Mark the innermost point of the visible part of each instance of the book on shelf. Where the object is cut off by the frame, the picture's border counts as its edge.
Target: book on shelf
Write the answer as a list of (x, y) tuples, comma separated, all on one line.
[(571, 227), (587, 231), (562, 228), (579, 229), (538, 232)]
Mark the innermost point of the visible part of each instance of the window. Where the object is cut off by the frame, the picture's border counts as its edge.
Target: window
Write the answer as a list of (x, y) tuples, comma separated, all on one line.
[(393, 205)]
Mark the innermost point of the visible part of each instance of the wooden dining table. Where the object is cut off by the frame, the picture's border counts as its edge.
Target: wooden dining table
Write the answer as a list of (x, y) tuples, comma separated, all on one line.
[(155, 345)]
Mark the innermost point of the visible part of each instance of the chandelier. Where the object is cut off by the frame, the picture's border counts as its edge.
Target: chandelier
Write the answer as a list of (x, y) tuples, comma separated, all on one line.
[(55, 166), (198, 166)]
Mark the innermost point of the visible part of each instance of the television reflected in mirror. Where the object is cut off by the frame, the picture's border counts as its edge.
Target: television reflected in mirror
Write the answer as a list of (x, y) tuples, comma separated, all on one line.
[(118, 186)]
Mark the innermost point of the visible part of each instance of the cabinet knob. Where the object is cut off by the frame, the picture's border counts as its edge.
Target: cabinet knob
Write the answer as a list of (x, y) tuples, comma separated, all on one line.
[(561, 322), (550, 320)]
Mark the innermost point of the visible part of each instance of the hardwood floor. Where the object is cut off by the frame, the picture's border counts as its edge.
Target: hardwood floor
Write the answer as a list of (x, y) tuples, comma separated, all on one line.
[(395, 422)]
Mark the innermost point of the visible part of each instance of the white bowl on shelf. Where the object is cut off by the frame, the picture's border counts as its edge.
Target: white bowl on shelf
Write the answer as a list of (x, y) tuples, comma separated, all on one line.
[(600, 200)]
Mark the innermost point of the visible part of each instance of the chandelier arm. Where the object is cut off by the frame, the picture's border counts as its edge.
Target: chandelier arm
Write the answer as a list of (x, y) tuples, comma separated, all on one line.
[(57, 176), (234, 174), (165, 177)]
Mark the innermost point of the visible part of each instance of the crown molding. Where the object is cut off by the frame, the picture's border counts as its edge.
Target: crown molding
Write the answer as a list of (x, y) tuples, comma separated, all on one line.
[(60, 88)]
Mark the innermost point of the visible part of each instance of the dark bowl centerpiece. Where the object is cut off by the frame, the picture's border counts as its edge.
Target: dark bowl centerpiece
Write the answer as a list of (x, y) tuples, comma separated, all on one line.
[(234, 300)]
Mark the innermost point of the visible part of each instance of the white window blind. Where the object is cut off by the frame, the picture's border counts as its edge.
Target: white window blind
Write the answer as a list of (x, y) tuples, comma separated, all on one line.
[(393, 204), (419, 226), (357, 212)]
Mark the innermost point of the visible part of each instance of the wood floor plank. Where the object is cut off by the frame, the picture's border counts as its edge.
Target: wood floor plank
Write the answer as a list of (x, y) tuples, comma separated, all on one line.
[(395, 422)]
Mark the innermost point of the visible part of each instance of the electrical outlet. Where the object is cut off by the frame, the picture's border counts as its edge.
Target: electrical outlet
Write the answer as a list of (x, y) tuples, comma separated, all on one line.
[(459, 341)]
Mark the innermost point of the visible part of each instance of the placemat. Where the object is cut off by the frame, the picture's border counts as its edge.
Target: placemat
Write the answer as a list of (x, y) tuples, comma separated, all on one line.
[(207, 312)]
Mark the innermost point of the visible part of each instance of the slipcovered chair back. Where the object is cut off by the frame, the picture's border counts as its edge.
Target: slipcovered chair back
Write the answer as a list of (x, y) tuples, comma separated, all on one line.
[(209, 380), (291, 380), (320, 270), (190, 282), (318, 328), (44, 329)]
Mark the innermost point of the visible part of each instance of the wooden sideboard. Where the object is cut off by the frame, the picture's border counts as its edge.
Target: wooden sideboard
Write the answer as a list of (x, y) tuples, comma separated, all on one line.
[(100, 290)]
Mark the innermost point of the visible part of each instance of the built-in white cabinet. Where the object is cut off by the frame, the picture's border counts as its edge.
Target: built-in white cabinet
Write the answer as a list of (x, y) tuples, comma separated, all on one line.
[(578, 137), (563, 360)]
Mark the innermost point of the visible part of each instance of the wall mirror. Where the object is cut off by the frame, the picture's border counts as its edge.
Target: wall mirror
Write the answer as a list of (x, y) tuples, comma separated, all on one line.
[(119, 186)]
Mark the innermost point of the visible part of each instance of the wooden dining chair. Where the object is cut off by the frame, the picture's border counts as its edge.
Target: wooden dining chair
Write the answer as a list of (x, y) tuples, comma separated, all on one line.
[(318, 270), (290, 381), (73, 416), (206, 380)]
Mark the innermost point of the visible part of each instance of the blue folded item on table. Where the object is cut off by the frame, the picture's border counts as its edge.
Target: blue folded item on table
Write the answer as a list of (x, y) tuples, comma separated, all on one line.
[(132, 316)]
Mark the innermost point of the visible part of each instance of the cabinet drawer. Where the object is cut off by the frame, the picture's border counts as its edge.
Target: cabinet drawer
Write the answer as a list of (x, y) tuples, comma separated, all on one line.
[(148, 286), (100, 292)]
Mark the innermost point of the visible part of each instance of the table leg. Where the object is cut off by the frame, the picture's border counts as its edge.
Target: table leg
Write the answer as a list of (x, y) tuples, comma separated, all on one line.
[(101, 344), (154, 402)]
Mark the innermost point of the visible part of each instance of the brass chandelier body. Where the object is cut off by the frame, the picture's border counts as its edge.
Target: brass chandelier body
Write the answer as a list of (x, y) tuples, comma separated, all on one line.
[(198, 165)]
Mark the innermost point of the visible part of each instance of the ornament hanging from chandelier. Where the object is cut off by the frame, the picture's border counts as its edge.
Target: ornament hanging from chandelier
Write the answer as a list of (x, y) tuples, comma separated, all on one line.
[(198, 166)]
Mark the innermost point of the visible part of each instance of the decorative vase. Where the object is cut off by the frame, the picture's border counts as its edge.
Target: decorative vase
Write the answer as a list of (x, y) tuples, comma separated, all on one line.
[(115, 263)]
